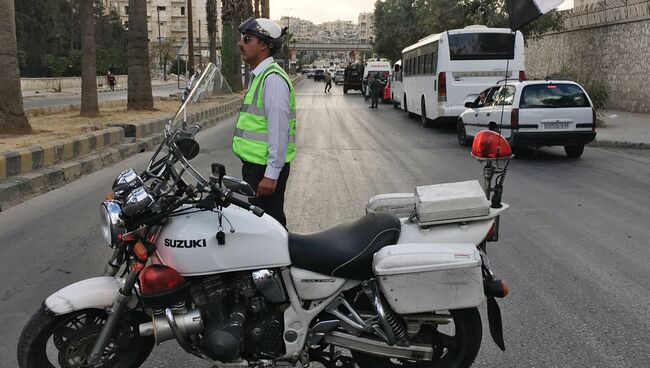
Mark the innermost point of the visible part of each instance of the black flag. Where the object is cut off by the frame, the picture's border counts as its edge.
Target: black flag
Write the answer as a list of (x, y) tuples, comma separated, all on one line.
[(522, 12)]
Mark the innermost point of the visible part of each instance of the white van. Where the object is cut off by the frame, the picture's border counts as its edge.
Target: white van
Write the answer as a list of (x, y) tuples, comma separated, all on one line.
[(378, 68), (443, 71)]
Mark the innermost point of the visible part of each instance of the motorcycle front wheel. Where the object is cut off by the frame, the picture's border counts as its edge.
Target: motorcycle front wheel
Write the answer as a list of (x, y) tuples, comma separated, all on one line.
[(454, 346), (65, 341)]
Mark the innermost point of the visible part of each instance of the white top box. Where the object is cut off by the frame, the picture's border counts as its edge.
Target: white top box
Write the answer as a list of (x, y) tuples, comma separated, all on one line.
[(463, 199)]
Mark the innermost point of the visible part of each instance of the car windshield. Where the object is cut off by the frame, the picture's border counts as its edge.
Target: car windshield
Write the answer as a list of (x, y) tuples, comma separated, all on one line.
[(553, 96)]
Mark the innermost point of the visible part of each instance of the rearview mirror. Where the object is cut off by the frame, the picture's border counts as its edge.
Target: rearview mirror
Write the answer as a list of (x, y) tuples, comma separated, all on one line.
[(238, 186)]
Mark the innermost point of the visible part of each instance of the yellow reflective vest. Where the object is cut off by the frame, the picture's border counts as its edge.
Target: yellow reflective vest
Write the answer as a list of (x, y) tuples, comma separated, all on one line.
[(250, 142)]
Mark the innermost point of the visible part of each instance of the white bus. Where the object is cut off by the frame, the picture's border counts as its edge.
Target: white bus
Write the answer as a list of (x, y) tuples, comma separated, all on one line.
[(443, 71)]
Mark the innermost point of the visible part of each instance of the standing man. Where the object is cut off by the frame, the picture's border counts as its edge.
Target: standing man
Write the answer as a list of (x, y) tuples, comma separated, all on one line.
[(328, 81), (375, 88), (265, 134)]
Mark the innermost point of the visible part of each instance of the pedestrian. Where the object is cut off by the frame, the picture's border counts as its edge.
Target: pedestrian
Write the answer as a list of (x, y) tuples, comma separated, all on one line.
[(375, 90), (328, 81), (111, 80), (265, 133)]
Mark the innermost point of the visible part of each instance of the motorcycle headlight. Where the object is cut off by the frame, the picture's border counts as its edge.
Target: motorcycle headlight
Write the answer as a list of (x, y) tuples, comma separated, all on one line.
[(112, 223), (137, 201)]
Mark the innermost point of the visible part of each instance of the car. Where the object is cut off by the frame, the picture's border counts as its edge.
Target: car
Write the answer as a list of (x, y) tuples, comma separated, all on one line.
[(305, 71), (311, 73), (387, 93), (532, 113), (319, 75), (339, 76)]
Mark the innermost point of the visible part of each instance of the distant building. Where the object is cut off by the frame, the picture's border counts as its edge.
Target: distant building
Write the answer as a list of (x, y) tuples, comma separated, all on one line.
[(167, 21), (366, 27)]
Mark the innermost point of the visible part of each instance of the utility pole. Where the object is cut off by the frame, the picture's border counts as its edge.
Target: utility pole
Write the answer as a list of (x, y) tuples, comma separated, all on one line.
[(160, 61), (200, 47), (190, 38)]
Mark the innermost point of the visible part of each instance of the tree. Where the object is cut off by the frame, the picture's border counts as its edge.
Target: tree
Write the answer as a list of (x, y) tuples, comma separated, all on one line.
[(89, 104), (287, 39), (139, 89), (211, 18), (256, 9), (266, 8), (399, 23), (231, 16), (12, 115)]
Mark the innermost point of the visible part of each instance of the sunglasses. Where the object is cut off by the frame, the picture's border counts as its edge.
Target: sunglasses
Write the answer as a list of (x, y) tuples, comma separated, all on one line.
[(247, 38)]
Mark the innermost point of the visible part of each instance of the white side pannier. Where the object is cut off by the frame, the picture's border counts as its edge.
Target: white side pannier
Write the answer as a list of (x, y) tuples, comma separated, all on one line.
[(421, 278)]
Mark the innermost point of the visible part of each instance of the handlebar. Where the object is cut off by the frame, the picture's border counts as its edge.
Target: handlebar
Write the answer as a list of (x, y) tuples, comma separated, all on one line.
[(243, 204)]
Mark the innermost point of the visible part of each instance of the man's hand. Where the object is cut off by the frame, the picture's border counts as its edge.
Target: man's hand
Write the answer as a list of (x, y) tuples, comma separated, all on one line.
[(266, 187)]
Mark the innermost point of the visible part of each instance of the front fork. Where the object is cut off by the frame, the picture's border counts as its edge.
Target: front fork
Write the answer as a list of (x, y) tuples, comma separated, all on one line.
[(118, 308)]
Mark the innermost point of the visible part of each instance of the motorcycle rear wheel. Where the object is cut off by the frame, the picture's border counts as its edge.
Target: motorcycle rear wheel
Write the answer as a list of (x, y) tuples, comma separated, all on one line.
[(457, 351), (65, 341)]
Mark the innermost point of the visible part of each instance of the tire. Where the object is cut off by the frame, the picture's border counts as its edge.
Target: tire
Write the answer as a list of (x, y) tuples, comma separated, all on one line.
[(77, 332), (392, 98), (345, 89), (467, 340), (423, 115), (462, 134), (574, 151)]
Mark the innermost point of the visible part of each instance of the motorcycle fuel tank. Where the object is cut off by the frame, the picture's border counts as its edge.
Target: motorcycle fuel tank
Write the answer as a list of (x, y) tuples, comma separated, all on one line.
[(188, 243)]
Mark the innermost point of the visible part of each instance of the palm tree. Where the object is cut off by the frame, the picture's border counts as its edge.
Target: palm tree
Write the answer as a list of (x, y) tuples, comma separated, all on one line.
[(231, 15), (211, 18), (286, 54), (256, 9), (89, 104), (266, 9), (12, 115), (139, 88)]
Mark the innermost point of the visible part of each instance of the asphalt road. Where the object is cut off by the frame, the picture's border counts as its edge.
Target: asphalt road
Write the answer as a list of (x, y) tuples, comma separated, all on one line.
[(574, 246), (69, 97)]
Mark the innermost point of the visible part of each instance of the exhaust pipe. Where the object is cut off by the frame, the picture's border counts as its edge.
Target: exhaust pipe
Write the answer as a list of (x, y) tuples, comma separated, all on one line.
[(189, 323), (376, 347)]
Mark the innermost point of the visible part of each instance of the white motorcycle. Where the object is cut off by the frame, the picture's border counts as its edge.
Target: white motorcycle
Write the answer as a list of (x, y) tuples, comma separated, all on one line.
[(195, 263)]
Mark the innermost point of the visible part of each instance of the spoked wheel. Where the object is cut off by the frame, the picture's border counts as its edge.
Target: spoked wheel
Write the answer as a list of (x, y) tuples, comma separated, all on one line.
[(50, 341), (454, 345)]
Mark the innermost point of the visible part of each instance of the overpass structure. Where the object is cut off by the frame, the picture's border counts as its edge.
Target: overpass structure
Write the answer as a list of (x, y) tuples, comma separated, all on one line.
[(354, 48)]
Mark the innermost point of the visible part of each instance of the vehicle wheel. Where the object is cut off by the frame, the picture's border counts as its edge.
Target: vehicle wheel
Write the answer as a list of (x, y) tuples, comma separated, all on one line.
[(574, 151), (423, 116), (449, 351), (462, 134), (345, 90), (65, 341)]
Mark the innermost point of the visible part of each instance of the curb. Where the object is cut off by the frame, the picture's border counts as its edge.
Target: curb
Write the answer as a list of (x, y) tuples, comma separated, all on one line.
[(39, 169), (608, 143)]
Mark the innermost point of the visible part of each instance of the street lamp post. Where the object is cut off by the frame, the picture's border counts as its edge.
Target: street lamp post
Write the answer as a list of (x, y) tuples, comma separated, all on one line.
[(160, 58)]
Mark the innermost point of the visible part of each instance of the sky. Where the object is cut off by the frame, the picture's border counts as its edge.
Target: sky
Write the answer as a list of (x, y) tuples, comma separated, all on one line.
[(319, 11)]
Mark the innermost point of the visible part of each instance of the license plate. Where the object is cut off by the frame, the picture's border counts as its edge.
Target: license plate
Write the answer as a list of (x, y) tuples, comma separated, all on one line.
[(555, 125)]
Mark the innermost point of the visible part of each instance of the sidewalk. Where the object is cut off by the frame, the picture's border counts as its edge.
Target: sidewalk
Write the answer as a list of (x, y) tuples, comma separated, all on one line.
[(77, 90), (623, 130)]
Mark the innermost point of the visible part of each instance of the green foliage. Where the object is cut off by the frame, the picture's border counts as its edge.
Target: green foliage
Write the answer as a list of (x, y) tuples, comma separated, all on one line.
[(597, 90), (399, 23), (47, 31), (227, 51), (178, 67)]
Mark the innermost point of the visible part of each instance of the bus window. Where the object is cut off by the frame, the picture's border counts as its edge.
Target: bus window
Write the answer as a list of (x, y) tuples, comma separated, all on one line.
[(481, 46)]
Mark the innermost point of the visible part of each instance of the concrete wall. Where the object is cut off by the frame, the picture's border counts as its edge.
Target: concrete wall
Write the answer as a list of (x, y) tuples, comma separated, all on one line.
[(615, 51), (43, 84)]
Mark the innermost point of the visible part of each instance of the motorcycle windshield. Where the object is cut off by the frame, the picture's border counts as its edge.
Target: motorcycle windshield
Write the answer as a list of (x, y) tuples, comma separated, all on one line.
[(206, 90)]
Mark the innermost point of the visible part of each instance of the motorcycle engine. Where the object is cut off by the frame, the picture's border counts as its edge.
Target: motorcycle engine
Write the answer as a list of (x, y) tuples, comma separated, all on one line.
[(238, 319)]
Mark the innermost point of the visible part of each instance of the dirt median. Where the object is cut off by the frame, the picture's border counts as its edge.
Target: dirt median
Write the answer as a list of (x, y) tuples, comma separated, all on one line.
[(57, 126)]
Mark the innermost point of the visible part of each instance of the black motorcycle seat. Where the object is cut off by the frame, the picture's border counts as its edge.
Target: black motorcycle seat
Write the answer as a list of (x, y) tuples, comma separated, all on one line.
[(345, 250)]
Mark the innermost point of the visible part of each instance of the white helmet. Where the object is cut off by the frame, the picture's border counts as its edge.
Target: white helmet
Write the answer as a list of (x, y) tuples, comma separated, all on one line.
[(267, 30)]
